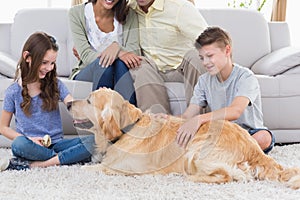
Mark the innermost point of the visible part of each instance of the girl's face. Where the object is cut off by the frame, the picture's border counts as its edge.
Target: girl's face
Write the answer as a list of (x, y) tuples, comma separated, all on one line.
[(47, 63), (215, 58)]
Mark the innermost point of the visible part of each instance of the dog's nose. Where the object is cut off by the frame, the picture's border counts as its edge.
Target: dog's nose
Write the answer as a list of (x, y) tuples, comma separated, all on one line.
[(69, 105)]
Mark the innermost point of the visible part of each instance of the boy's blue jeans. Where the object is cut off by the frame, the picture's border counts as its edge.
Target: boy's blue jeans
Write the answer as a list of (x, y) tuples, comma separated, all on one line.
[(253, 131), (69, 151), (115, 76)]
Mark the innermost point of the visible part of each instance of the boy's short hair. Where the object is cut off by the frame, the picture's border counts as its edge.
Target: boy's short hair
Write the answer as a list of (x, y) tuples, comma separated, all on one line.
[(213, 35)]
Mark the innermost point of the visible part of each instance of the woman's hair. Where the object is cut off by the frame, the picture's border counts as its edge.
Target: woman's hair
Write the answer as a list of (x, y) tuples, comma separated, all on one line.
[(120, 10), (37, 46), (213, 35)]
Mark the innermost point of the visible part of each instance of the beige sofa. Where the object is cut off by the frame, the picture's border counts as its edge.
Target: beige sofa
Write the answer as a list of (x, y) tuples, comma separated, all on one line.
[(261, 46)]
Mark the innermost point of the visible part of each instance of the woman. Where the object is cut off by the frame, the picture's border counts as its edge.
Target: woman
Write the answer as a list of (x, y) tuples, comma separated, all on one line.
[(33, 99), (106, 41)]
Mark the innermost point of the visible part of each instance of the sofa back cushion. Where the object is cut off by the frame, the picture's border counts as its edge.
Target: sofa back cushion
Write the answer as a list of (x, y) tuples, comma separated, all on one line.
[(248, 29), (53, 21)]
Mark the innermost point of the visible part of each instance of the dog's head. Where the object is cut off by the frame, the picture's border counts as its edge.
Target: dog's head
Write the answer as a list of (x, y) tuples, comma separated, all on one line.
[(104, 111)]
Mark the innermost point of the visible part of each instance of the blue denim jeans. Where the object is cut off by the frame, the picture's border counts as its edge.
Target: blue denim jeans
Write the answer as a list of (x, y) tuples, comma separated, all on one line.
[(115, 76), (69, 151)]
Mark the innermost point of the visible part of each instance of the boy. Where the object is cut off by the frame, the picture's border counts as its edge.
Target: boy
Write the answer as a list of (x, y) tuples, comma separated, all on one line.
[(231, 92)]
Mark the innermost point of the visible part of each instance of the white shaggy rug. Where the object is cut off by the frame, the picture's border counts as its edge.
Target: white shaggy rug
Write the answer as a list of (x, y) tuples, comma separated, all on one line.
[(72, 182)]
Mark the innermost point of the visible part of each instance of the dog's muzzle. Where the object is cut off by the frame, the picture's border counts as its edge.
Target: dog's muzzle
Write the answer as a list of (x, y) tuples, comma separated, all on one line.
[(83, 124)]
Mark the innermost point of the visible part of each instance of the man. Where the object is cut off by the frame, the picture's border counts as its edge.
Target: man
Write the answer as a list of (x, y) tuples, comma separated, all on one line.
[(168, 30)]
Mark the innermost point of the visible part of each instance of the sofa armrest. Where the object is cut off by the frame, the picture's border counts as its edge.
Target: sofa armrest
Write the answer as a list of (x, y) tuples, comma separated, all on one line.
[(277, 62), (7, 65), (279, 35)]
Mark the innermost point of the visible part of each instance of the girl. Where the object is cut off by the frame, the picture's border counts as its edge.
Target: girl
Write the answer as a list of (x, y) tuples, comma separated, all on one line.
[(105, 35), (33, 99)]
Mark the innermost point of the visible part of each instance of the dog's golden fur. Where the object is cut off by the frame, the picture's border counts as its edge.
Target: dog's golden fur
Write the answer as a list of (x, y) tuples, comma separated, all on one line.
[(220, 152)]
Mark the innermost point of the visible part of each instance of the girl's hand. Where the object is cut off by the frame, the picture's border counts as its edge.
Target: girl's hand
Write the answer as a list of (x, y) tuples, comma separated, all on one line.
[(188, 130), (37, 140), (130, 59), (108, 56)]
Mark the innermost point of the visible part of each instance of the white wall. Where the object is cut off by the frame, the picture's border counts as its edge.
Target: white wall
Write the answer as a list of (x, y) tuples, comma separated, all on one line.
[(293, 14), (292, 17), (8, 9), (266, 10)]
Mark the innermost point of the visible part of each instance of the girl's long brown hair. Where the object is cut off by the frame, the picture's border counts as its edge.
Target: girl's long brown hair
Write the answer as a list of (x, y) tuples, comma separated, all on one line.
[(120, 10), (37, 45)]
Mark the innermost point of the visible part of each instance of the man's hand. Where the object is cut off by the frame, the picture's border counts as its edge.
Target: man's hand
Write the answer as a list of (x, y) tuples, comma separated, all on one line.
[(188, 130), (130, 59)]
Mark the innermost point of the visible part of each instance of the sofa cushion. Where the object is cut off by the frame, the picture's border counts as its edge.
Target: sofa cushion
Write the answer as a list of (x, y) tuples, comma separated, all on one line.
[(5, 82), (7, 65), (280, 101), (281, 86), (176, 93), (277, 62), (294, 70)]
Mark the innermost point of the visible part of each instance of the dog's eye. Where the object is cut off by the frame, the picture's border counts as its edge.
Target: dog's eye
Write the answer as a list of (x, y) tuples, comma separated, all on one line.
[(88, 101)]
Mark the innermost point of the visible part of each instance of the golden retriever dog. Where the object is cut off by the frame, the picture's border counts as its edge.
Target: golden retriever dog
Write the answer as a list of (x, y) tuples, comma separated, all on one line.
[(134, 142)]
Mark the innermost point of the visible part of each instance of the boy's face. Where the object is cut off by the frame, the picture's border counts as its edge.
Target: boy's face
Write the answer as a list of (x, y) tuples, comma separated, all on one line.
[(215, 58)]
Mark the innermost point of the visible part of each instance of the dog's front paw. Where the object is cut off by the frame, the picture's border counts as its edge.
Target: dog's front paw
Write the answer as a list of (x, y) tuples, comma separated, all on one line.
[(100, 168), (93, 167), (109, 171)]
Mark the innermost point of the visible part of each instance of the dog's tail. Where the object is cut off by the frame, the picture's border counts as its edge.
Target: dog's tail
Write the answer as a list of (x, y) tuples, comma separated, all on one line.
[(290, 176), (268, 169), (261, 167)]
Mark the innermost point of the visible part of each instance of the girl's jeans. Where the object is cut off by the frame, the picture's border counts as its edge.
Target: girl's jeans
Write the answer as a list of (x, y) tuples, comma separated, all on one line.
[(69, 151), (115, 76)]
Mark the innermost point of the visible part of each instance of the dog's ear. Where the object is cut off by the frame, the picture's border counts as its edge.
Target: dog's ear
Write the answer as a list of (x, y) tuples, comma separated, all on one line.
[(110, 123), (133, 112), (129, 114)]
